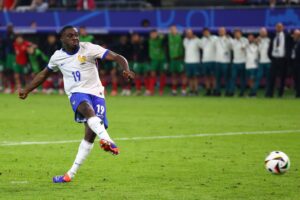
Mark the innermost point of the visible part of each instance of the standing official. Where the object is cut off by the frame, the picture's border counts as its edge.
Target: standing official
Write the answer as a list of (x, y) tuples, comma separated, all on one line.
[(238, 45), (296, 61), (279, 53), (223, 47)]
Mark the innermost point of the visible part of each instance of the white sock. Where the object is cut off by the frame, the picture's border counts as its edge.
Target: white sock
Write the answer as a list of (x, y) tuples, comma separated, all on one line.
[(83, 151), (97, 126)]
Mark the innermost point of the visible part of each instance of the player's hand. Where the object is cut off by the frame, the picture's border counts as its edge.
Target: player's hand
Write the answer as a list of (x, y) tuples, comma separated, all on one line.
[(129, 75), (23, 94)]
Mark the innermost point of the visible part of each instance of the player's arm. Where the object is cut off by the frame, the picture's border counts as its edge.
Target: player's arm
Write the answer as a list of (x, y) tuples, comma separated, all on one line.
[(121, 62), (37, 81)]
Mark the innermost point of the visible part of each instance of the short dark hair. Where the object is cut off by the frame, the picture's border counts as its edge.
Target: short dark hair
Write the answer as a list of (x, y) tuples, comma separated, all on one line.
[(64, 29), (205, 29)]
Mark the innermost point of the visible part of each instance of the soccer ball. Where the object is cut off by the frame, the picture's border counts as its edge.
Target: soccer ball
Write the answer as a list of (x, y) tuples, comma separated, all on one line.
[(277, 162)]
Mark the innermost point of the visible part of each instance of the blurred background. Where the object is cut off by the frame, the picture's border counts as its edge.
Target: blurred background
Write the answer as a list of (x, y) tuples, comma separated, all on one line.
[(189, 48)]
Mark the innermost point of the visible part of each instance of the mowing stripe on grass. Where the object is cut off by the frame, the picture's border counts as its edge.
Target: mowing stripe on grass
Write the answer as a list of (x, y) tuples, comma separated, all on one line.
[(6, 143)]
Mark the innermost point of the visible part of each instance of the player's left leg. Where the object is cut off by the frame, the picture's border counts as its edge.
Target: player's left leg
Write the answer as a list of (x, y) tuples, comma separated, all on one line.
[(84, 150)]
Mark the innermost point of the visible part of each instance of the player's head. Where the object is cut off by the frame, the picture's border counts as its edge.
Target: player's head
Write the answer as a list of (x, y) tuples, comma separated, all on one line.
[(206, 32), (82, 30), (279, 27), (189, 33), (51, 39), (19, 39), (69, 37), (263, 32), (237, 33), (251, 37), (153, 34), (135, 38), (173, 29), (296, 34), (222, 31)]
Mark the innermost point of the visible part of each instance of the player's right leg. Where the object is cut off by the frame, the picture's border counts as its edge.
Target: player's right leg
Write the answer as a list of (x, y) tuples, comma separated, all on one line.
[(98, 125)]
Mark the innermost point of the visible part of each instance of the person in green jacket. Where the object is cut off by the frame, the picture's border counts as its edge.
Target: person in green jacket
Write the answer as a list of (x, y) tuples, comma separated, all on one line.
[(84, 36), (36, 59), (157, 62), (176, 52)]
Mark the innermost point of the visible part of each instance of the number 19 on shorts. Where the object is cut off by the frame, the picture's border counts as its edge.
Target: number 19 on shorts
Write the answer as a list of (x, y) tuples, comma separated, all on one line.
[(76, 76)]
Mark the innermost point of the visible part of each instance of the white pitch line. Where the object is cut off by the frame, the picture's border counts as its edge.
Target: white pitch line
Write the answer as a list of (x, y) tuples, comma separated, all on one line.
[(6, 143), (19, 182)]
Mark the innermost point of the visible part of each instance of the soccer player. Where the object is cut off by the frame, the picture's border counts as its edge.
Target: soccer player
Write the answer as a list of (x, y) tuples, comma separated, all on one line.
[(208, 60), (238, 45), (251, 63), (223, 57), (264, 60), (140, 60), (157, 62), (21, 68), (176, 51), (192, 46), (76, 61)]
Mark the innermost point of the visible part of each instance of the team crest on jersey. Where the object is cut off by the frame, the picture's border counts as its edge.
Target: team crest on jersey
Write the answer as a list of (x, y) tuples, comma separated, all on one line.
[(82, 59)]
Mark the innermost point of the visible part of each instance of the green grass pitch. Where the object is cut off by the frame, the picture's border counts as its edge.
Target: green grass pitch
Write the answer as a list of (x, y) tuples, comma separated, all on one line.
[(213, 167)]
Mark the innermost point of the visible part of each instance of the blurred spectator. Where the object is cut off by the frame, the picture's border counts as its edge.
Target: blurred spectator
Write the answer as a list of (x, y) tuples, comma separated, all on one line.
[(208, 60), (264, 60), (158, 60), (10, 61), (2, 61), (272, 3), (8, 5), (251, 63), (48, 48), (296, 61), (21, 70), (175, 47), (140, 59), (192, 45), (39, 5), (223, 57), (279, 52), (84, 36), (238, 45), (86, 4), (124, 48)]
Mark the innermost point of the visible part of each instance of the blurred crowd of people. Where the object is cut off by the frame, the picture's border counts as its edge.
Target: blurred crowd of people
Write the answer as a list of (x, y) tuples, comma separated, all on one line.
[(43, 5), (179, 64)]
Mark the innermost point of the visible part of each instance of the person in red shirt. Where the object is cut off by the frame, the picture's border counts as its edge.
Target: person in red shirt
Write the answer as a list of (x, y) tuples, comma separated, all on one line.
[(8, 4), (21, 68)]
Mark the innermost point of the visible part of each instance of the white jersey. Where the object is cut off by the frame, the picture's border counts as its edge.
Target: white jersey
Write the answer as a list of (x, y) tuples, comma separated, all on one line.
[(208, 48), (192, 50), (252, 56), (223, 47), (79, 70), (263, 46), (238, 48)]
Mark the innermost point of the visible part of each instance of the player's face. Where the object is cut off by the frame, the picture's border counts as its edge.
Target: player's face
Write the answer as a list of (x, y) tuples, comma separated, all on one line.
[(153, 35), (222, 32), (173, 30), (189, 33), (263, 33), (237, 34), (19, 40), (206, 33), (70, 38), (251, 38)]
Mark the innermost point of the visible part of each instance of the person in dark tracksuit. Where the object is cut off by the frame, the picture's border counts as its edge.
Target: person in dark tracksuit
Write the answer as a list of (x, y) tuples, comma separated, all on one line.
[(295, 55), (279, 52)]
